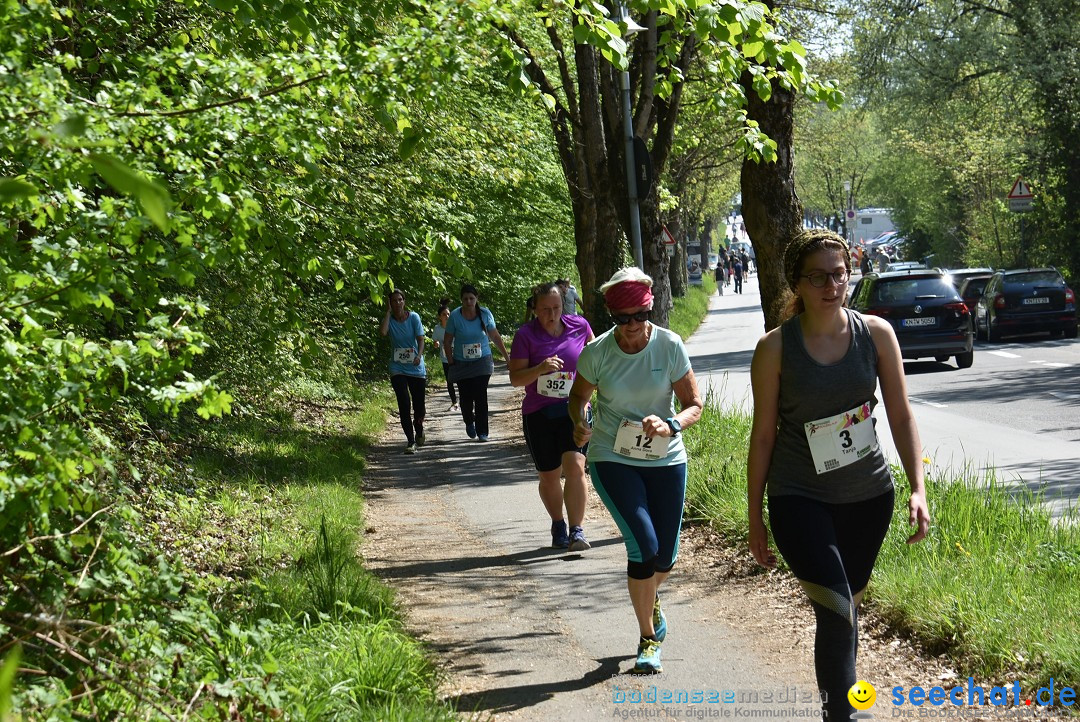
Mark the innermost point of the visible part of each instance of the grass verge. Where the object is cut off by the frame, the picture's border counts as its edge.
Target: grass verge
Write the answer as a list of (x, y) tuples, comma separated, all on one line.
[(273, 525), (994, 587), (690, 310)]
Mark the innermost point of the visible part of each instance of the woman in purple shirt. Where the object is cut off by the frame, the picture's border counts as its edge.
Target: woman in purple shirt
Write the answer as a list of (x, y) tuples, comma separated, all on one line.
[(543, 359)]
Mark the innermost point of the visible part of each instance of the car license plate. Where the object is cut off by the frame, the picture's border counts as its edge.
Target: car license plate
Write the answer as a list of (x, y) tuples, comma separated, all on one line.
[(1036, 299), (924, 321)]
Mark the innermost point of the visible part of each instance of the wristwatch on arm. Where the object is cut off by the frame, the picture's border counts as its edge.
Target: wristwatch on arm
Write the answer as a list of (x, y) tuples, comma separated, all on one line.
[(674, 425)]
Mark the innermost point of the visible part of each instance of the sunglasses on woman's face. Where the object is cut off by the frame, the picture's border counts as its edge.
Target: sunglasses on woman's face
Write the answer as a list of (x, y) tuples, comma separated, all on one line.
[(621, 319)]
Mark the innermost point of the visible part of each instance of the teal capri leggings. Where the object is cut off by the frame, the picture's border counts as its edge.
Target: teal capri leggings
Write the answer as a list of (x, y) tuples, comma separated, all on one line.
[(647, 504)]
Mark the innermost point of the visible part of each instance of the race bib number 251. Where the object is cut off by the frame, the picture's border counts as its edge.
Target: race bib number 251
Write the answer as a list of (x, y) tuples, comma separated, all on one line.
[(843, 439)]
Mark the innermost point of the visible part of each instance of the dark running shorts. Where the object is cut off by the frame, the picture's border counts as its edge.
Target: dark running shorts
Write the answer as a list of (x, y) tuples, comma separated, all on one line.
[(549, 433)]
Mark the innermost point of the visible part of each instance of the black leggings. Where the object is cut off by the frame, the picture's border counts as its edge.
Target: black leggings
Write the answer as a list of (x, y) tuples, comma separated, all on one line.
[(404, 387), (474, 402), (449, 383), (832, 548)]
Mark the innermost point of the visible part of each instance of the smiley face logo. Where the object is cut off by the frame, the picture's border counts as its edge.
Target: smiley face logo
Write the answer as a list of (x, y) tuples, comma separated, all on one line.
[(862, 695)]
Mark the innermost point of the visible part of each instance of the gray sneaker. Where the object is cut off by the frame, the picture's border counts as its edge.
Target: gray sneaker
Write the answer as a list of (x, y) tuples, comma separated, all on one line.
[(578, 542), (559, 538)]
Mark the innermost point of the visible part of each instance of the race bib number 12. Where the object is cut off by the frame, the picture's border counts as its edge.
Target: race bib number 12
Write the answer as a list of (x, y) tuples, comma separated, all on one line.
[(842, 439), (631, 441)]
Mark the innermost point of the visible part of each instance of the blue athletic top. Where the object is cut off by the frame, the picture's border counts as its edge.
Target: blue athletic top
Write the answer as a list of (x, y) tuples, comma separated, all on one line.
[(470, 332), (403, 334)]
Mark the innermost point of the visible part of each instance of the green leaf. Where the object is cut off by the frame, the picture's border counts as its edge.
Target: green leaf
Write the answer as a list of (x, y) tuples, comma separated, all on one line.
[(7, 681), (752, 48), (71, 126), (409, 143), (12, 188), (153, 197)]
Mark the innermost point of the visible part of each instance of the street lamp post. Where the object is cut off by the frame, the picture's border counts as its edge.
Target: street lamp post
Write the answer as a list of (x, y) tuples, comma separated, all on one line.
[(628, 133), (848, 213)]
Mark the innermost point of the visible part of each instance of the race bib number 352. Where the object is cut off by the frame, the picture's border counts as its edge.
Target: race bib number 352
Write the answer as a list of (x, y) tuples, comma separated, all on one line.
[(842, 439), (630, 440), (556, 384)]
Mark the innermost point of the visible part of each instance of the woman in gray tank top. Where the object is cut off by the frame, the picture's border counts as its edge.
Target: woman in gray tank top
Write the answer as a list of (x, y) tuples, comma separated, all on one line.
[(814, 448)]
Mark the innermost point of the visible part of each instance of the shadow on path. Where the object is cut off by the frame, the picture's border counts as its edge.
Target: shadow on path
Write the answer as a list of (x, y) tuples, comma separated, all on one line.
[(514, 697)]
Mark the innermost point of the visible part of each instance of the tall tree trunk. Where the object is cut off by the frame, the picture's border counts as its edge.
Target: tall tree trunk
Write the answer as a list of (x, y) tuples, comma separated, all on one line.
[(599, 254), (677, 268), (771, 208), (656, 260)]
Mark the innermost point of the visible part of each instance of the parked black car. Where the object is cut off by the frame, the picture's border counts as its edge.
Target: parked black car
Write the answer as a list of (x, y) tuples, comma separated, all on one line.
[(959, 275), (925, 310), (971, 290), (1026, 300)]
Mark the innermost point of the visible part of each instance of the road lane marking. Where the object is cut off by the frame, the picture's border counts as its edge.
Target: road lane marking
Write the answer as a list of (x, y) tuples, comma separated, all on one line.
[(1053, 364), (1064, 397), (936, 405), (1004, 354)]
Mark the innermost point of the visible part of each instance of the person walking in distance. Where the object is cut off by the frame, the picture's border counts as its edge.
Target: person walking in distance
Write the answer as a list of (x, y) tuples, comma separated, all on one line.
[(737, 270), (543, 359), (408, 376), (571, 300), (636, 456), (470, 331), (814, 449), (438, 336)]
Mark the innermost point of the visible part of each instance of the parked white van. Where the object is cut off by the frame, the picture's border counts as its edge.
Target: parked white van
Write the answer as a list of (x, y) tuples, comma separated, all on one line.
[(871, 223)]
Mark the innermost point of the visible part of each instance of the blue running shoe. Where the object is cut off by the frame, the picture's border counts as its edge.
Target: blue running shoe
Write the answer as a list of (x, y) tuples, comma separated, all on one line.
[(481, 437), (578, 542), (659, 621), (470, 430), (559, 538), (648, 657)]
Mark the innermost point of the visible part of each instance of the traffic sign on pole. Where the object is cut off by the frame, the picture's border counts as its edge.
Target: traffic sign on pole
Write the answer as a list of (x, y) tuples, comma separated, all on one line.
[(1020, 197), (1020, 190), (669, 240)]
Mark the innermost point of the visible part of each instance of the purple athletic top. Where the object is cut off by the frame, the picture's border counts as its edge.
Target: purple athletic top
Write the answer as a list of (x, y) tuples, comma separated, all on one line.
[(533, 343)]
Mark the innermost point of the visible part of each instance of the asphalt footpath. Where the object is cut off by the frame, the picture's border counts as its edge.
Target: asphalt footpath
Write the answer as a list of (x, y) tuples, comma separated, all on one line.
[(526, 632)]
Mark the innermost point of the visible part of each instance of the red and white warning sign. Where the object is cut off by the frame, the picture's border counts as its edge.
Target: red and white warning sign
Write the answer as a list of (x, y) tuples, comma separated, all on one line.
[(1020, 196)]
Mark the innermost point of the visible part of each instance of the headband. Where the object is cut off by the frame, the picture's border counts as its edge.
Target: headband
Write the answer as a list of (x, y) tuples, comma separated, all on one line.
[(628, 294)]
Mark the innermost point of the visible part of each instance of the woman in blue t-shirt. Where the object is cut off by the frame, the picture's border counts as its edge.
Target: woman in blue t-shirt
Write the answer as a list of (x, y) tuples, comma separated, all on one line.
[(407, 373), (470, 331), (636, 457)]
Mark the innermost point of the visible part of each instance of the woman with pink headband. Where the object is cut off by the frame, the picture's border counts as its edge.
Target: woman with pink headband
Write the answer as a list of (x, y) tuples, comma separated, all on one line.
[(636, 456)]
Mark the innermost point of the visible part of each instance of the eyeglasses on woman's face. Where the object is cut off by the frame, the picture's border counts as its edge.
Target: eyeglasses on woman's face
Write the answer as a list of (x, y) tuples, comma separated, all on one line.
[(621, 319), (818, 278)]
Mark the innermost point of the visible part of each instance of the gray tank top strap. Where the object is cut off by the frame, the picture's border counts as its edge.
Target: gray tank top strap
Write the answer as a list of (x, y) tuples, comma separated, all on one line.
[(810, 391)]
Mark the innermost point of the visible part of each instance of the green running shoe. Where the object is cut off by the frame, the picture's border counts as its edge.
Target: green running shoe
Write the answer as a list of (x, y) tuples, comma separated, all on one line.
[(648, 657), (659, 620)]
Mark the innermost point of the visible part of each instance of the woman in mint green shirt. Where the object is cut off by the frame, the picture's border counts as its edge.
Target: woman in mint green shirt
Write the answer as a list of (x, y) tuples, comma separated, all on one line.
[(636, 457)]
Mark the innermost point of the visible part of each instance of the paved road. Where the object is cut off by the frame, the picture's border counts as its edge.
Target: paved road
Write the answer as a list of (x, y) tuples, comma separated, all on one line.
[(1017, 408)]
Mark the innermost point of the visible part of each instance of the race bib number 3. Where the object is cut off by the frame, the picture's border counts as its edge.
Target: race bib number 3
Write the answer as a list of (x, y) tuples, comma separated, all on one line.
[(472, 351), (556, 385), (404, 355), (842, 439), (631, 441)]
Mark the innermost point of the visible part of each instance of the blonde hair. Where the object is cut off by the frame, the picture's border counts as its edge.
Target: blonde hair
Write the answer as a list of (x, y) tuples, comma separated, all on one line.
[(630, 273)]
